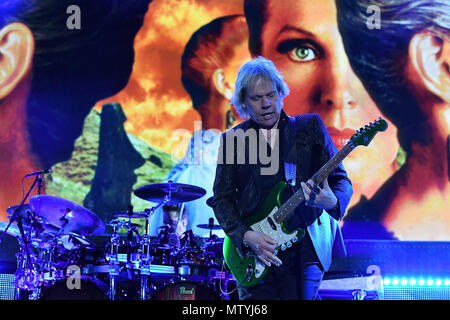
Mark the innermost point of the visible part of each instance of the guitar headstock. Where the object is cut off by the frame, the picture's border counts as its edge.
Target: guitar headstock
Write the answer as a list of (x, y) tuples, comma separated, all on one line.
[(365, 134)]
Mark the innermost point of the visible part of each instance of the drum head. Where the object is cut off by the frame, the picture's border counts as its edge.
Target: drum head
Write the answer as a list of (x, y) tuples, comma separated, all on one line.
[(185, 290)]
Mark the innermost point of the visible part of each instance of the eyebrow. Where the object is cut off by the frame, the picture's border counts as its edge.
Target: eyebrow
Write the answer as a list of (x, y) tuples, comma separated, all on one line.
[(264, 95), (290, 27)]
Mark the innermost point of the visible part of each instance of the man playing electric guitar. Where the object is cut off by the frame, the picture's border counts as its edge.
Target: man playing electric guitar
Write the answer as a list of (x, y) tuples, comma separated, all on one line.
[(289, 149)]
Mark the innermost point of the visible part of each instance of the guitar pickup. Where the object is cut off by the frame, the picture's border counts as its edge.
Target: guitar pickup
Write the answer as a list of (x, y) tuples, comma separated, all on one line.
[(272, 224)]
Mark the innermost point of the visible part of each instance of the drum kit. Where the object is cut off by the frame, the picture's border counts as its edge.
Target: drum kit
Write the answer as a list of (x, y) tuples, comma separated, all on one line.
[(59, 256)]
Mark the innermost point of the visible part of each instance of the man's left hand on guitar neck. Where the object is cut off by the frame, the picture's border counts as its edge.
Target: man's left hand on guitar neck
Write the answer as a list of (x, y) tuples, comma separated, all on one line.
[(317, 197)]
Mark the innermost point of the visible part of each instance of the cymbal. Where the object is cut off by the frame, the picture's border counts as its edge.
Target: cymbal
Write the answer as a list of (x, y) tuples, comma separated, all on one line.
[(126, 215), (132, 215), (66, 214), (118, 223), (177, 192), (38, 241), (26, 213), (73, 241), (13, 229), (41, 224), (23, 212), (208, 226)]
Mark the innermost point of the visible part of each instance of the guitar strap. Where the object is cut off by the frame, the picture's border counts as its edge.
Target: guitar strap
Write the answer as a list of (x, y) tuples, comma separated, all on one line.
[(291, 158)]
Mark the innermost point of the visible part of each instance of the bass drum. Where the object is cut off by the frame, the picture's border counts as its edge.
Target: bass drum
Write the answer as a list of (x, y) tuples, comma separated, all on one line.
[(87, 290), (185, 290)]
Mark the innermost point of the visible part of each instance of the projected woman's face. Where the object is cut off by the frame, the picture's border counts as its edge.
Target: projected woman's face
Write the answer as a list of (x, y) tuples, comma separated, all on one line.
[(302, 39)]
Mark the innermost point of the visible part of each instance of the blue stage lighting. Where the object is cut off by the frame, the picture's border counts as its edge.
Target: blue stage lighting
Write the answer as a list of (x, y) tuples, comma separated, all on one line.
[(410, 287)]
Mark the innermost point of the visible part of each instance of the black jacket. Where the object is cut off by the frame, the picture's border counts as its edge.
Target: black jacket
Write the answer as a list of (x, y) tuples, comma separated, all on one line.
[(236, 189)]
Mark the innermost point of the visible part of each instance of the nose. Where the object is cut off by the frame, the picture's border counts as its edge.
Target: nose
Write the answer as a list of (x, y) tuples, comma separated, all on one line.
[(339, 91), (266, 102)]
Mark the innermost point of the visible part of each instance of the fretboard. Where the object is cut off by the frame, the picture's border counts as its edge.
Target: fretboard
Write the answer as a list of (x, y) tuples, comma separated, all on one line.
[(289, 206)]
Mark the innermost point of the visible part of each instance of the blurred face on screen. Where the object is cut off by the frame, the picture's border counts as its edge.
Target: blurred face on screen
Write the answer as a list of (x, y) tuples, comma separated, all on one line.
[(303, 40)]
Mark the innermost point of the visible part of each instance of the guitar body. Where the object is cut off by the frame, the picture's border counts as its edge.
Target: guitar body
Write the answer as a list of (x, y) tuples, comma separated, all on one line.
[(250, 270)]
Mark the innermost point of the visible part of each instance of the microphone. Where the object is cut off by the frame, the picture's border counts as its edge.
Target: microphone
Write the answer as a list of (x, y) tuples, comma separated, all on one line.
[(44, 171)]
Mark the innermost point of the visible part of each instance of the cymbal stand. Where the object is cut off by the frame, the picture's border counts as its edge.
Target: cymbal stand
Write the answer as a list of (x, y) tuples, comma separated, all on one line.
[(25, 262), (55, 242), (145, 256), (113, 260)]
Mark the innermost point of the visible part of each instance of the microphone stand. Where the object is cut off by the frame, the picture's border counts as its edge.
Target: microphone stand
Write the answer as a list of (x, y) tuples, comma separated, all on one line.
[(19, 208), (37, 181), (15, 216)]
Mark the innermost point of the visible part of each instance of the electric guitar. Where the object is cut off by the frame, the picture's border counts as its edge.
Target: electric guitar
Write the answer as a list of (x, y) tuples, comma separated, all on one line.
[(250, 270)]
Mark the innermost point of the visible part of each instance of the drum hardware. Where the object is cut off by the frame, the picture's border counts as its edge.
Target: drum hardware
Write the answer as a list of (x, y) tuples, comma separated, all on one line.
[(145, 256), (223, 277), (211, 226), (26, 260), (160, 193), (116, 244), (115, 258), (57, 235), (48, 243)]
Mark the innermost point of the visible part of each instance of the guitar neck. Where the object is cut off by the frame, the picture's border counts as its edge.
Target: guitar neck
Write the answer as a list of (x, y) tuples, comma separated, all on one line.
[(289, 206)]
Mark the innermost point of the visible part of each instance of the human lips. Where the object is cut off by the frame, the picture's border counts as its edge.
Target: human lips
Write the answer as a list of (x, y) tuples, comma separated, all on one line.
[(340, 137), (267, 115)]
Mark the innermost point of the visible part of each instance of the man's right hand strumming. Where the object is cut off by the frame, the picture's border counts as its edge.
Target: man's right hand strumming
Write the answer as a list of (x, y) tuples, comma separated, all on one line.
[(263, 246)]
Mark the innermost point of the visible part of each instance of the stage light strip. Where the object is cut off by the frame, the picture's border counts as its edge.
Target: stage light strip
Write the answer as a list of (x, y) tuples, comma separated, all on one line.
[(416, 281)]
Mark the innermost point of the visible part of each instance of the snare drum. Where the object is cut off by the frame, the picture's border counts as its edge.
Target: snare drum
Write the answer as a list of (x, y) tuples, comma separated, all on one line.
[(185, 290)]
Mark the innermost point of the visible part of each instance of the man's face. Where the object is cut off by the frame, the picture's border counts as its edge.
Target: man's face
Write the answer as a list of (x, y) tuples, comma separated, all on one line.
[(263, 102), (171, 218)]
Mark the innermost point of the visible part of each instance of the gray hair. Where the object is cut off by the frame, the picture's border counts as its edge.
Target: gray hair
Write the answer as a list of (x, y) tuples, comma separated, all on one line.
[(257, 67), (379, 57)]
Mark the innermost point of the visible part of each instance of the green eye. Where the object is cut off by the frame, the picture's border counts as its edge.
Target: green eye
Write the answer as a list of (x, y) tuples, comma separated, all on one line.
[(302, 54)]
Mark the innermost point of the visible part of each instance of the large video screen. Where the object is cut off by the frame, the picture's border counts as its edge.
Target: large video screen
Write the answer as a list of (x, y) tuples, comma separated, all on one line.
[(116, 95)]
